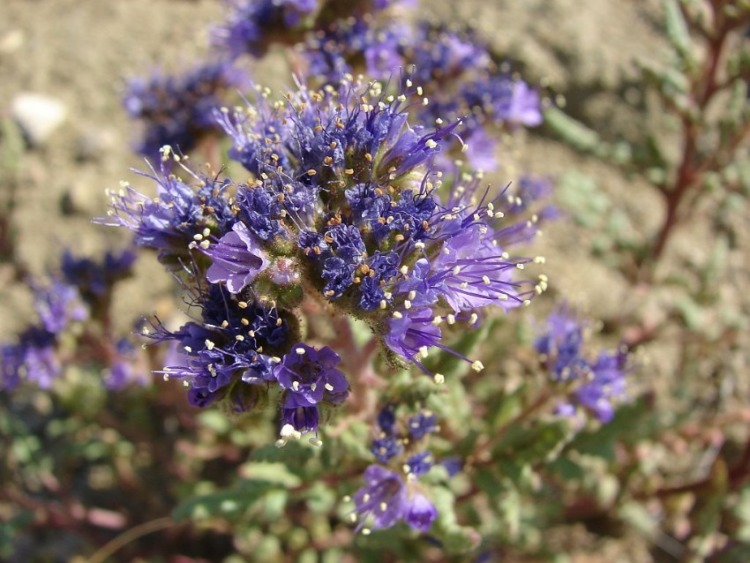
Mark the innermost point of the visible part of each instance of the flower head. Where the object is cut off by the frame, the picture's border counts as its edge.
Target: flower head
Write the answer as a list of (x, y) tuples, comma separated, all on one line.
[(598, 384), (253, 24), (178, 110), (386, 498), (310, 376)]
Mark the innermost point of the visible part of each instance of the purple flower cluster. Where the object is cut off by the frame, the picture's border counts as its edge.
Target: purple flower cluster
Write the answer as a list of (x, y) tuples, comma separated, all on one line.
[(80, 293), (456, 66), (387, 498), (344, 206), (333, 41), (597, 384), (392, 495), (253, 24), (177, 110)]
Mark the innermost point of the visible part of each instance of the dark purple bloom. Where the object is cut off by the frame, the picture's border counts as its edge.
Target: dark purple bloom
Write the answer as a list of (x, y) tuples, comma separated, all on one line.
[(385, 499), (421, 424), (523, 107), (412, 333), (302, 419), (419, 464), (253, 23), (562, 346), (607, 385), (420, 513), (95, 279), (472, 272), (453, 465), (386, 447), (310, 376), (383, 53), (237, 259), (178, 110), (230, 346), (387, 419), (41, 364)]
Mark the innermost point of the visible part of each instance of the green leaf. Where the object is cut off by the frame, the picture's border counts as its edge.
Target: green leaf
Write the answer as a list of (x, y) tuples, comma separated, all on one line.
[(215, 420), (632, 423), (223, 503), (509, 512), (273, 472), (529, 445), (507, 407), (294, 456), (677, 28), (320, 498), (274, 504), (455, 538), (573, 132)]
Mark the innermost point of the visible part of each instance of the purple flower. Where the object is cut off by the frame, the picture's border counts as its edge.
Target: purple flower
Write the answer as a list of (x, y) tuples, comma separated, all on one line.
[(237, 259), (421, 424), (385, 499), (382, 54), (310, 376), (302, 419), (481, 150), (125, 369), (412, 332), (180, 213), (252, 24), (607, 385), (58, 306), (12, 356), (420, 513), (600, 384), (523, 106), (386, 447), (40, 362), (178, 110), (95, 279), (473, 273), (227, 350), (419, 464)]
